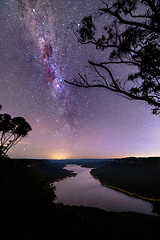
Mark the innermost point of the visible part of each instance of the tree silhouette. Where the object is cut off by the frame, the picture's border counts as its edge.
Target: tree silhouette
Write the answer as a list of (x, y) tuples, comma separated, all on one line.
[(130, 38), (12, 130)]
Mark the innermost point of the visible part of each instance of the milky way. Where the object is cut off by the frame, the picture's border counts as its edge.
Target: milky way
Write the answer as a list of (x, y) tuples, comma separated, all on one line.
[(41, 27)]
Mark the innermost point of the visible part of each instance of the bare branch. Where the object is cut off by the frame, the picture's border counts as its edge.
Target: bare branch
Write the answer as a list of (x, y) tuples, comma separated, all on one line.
[(129, 22), (141, 16)]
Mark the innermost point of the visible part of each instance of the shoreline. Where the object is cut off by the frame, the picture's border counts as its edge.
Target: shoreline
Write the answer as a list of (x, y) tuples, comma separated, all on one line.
[(151, 200), (132, 194)]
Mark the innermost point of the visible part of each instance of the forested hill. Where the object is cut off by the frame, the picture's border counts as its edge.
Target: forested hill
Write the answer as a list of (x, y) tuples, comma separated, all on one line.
[(135, 175)]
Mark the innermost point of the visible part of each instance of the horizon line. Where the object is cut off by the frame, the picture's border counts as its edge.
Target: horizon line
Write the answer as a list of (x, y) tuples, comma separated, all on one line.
[(112, 158)]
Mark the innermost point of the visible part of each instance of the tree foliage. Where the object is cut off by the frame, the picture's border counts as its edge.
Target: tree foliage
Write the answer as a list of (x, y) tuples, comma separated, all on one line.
[(12, 130), (130, 39)]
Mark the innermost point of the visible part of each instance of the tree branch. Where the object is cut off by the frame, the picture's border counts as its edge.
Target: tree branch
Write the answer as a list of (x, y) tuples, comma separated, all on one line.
[(128, 22), (141, 16)]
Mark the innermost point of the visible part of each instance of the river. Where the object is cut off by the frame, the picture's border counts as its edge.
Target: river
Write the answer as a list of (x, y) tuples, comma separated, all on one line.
[(85, 190)]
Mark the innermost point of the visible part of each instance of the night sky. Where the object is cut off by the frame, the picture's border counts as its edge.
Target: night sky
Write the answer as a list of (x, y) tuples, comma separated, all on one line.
[(38, 51)]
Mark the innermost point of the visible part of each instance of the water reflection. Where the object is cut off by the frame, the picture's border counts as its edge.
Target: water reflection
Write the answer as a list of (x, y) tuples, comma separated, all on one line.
[(85, 190)]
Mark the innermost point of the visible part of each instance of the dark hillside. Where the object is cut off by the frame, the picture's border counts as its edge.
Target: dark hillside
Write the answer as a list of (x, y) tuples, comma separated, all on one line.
[(53, 169), (136, 175), (28, 212)]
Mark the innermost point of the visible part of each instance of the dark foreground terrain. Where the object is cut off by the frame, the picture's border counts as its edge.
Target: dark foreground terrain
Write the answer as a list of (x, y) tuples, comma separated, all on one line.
[(27, 210), (135, 175)]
